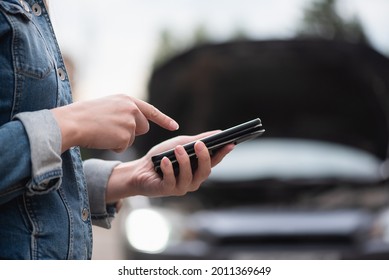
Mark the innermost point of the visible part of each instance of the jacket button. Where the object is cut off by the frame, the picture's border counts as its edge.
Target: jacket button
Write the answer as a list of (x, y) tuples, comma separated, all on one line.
[(36, 9), (84, 214), (61, 74)]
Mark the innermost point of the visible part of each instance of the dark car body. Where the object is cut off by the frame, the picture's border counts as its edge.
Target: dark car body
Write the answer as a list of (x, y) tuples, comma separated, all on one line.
[(314, 186)]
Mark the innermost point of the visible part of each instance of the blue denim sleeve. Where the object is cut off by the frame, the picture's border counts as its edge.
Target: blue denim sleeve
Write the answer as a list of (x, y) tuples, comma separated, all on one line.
[(97, 173), (14, 160), (30, 155)]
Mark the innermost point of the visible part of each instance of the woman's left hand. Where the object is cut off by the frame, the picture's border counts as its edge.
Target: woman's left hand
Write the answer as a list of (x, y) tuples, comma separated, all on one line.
[(138, 177)]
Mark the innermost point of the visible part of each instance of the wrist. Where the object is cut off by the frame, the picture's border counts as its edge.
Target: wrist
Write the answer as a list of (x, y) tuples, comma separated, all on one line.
[(121, 182), (69, 127)]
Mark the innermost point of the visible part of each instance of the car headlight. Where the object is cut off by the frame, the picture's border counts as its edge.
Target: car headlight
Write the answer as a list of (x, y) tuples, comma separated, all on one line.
[(148, 230)]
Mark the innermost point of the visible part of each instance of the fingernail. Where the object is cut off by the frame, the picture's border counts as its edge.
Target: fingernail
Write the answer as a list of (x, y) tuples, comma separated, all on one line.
[(166, 161), (199, 146), (180, 150), (174, 125)]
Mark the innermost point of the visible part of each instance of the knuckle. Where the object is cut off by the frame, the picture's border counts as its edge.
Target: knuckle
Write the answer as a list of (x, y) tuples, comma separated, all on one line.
[(124, 139), (123, 99), (182, 192), (132, 109), (195, 187), (131, 125)]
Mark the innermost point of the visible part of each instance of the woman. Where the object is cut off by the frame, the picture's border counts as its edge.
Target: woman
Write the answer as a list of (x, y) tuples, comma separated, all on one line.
[(48, 196)]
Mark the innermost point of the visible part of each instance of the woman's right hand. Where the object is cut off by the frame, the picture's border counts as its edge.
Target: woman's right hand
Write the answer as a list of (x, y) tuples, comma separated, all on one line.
[(108, 123)]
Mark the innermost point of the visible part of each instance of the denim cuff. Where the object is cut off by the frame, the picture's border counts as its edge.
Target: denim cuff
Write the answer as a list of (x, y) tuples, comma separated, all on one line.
[(97, 173), (44, 136)]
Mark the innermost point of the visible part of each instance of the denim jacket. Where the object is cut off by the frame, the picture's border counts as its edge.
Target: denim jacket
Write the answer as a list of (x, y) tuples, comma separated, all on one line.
[(47, 201)]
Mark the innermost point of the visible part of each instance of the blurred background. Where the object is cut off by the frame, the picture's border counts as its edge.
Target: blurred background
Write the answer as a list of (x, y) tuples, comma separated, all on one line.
[(132, 36), (315, 72)]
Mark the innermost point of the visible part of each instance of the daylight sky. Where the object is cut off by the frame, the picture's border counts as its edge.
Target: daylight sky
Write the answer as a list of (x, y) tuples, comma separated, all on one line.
[(112, 43)]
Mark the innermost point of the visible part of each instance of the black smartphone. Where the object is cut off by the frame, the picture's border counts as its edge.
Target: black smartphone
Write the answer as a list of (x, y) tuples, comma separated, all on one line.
[(236, 135)]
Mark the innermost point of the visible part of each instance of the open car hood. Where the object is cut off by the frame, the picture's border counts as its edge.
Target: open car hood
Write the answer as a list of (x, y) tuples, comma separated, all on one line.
[(318, 90)]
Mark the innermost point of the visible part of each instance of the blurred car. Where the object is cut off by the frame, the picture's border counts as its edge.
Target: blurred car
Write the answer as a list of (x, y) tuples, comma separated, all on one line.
[(314, 186)]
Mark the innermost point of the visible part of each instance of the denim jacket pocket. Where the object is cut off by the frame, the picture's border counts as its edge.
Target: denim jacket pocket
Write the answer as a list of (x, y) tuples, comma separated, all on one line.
[(31, 53)]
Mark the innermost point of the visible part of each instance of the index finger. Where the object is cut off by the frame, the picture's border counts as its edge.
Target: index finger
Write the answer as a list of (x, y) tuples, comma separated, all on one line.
[(156, 116)]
